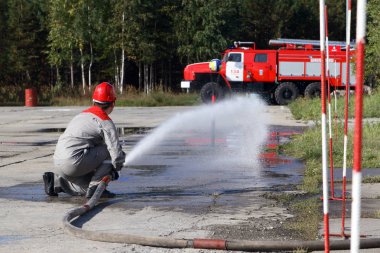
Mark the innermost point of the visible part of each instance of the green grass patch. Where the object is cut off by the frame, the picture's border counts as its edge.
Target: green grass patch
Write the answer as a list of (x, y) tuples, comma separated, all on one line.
[(158, 98), (310, 109), (131, 97), (135, 99), (306, 210), (371, 214), (307, 217), (377, 214), (282, 198), (371, 180), (48, 96), (307, 147)]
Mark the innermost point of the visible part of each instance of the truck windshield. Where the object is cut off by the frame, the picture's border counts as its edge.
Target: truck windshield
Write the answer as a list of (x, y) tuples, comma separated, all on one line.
[(234, 57)]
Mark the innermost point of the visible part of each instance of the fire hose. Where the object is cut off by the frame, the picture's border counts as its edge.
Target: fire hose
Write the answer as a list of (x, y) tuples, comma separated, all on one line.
[(241, 245)]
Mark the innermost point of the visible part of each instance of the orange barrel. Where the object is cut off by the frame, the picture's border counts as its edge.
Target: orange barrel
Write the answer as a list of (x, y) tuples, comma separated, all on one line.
[(30, 97)]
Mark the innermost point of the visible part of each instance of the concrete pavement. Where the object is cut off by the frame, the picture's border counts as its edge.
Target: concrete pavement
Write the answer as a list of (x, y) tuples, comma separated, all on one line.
[(32, 222)]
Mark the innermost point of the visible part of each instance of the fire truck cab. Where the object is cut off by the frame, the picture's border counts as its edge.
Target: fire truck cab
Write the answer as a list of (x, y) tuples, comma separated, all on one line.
[(281, 74)]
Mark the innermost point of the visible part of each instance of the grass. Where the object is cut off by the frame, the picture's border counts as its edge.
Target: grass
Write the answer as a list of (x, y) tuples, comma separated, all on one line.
[(304, 147), (377, 215), (131, 97), (307, 147), (309, 215), (47, 96), (158, 98), (371, 180), (135, 99), (306, 209), (310, 109)]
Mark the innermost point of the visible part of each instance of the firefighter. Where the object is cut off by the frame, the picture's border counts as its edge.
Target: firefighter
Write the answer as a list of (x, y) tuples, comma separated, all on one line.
[(88, 150)]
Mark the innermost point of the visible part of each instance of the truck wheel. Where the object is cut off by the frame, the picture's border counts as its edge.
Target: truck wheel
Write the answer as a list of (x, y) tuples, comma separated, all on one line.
[(313, 90), (208, 89), (285, 93)]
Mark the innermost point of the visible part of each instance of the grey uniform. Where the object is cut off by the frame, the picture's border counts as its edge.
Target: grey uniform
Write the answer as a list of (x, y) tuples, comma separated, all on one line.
[(87, 151)]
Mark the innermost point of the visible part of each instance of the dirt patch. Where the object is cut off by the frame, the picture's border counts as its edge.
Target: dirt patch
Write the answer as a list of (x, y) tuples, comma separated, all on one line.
[(256, 229)]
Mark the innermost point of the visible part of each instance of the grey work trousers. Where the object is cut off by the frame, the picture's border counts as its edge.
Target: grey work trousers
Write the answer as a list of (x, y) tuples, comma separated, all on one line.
[(75, 175)]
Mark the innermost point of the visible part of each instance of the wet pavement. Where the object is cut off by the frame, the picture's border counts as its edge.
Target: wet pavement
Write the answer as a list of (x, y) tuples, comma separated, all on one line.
[(184, 171), (188, 172), (190, 185)]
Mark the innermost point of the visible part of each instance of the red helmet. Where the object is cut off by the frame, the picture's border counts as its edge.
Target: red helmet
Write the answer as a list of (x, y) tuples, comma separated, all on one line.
[(104, 93)]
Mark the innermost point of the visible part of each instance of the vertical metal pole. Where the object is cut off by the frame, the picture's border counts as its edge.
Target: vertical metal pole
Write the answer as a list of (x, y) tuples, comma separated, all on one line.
[(345, 140), (213, 99), (323, 121), (329, 107), (357, 175)]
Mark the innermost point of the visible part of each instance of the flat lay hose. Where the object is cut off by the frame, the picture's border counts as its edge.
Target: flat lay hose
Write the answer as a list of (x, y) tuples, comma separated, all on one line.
[(164, 242)]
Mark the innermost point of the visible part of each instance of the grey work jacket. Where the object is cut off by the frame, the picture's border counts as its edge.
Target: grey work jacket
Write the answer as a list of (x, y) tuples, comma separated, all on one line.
[(90, 128)]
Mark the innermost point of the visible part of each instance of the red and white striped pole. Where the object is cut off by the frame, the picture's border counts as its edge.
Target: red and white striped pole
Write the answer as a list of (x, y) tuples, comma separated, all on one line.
[(357, 174), (329, 107), (345, 140), (323, 121)]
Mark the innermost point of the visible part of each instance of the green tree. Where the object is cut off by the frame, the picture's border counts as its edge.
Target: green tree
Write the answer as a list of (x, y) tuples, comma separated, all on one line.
[(26, 41), (94, 22), (203, 28), (77, 26), (61, 36), (3, 41), (121, 37), (144, 33), (302, 20), (96, 40), (263, 20), (373, 38)]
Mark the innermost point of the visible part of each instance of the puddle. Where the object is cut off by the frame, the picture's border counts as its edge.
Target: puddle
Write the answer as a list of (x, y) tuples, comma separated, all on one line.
[(28, 143), (186, 170), (121, 130), (34, 191), (133, 130), (189, 171), (50, 130), (4, 239)]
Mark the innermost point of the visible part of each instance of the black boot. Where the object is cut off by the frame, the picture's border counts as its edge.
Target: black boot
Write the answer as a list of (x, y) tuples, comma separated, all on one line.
[(48, 178)]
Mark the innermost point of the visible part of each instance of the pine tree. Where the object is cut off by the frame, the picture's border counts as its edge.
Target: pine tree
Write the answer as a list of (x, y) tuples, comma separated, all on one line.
[(26, 41), (4, 70), (202, 28), (373, 47)]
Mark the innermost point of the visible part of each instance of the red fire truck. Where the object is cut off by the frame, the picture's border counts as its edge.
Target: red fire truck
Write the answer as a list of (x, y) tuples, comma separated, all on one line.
[(281, 74)]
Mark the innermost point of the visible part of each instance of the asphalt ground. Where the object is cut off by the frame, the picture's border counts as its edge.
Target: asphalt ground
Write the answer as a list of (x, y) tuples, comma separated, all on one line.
[(32, 222)]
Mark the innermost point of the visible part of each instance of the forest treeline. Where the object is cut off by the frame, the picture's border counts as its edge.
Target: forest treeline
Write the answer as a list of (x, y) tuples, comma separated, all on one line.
[(146, 43)]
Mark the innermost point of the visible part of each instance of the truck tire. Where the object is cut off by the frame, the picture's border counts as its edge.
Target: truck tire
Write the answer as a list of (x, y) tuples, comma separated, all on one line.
[(208, 89), (313, 90), (286, 93)]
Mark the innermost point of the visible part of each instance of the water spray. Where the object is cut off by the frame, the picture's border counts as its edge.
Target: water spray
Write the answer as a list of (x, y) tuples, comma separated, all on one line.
[(214, 65), (239, 114)]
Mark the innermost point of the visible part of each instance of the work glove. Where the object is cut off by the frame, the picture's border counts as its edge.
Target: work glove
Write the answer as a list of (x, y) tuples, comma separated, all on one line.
[(114, 175), (118, 165)]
